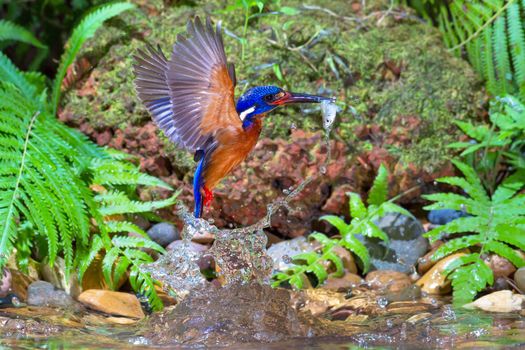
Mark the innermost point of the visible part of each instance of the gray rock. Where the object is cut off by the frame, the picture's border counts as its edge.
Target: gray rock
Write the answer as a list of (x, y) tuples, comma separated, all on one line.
[(163, 233), (282, 252), (41, 293), (406, 244), (519, 278)]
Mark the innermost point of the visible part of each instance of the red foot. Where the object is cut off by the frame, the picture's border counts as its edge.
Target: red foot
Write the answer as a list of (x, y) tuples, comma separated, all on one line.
[(208, 196)]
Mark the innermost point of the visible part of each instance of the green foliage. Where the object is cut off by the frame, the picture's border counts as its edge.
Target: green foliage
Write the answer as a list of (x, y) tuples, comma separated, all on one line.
[(496, 225), (502, 141), (490, 32), (47, 172), (85, 30), (12, 31), (362, 222)]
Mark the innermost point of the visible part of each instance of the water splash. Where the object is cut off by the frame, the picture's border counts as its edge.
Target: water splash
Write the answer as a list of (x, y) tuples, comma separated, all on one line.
[(239, 253)]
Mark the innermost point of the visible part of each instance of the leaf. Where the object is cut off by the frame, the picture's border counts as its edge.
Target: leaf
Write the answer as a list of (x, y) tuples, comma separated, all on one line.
[(371, 230), (337, 261), (82, 32), (379, 191), (297, 281), (337, 222), (357, 207), (355, 246), (309, 257), (318, 270), (12, 31)]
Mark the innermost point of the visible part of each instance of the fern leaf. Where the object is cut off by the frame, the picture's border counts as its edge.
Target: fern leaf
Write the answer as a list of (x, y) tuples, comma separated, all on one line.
[(115, 202), (509, 187), (297, 281), (516, 42), (505, 251), (357, 207), (124, 226), (136, 242), (318, 270), (336, 261), (85, 30), (465, 287), (501, 57), (379, 191), (337, 222), (371, 230), (355, 246), (11, 74), (456, 244), (12, 31)]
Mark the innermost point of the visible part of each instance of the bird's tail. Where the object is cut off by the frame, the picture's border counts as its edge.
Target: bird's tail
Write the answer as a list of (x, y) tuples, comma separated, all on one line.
[(197, 185)]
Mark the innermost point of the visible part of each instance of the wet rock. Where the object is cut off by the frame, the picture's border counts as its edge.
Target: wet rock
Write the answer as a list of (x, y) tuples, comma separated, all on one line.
[(233, 314), (283, 252), (406, 243), (519, 279), (56, 275), (419, 318), (425, 262), (317, 301), (113, 303), (502, 301), (388, 280), (410, 293), (347, 257), (444, 216), (5, 282), (500, 266), (164, 233), (342, 284), (42, 293), (434, 281), (204, 261)]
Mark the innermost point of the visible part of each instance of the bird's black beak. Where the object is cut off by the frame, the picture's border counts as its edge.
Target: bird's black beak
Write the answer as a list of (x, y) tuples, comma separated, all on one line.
[(294, 97)]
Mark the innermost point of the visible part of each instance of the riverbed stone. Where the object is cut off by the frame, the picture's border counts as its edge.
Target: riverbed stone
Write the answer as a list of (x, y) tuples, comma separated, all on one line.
[(405, 247), (163, 233), (500, 266), (42, 293), (388, 280), (113, 303), (519, 278), (501, 301), (342, 284), (434, 281)]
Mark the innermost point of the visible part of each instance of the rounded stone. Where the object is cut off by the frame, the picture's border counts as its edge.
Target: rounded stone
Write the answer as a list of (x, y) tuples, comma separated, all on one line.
[(389, 280), (163, 233), (519, 278)]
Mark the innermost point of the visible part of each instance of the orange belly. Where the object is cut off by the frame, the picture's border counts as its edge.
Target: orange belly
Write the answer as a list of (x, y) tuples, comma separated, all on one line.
[(234, 146)]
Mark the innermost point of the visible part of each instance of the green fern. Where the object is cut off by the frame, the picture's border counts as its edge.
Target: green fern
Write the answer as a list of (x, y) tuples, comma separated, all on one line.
[(82, 32), (496, 225), (500, 142), (491, 34), (12, 31), (362, 223)]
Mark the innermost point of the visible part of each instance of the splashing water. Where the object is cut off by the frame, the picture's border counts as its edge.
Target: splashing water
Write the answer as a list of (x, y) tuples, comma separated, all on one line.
[(239, 253)]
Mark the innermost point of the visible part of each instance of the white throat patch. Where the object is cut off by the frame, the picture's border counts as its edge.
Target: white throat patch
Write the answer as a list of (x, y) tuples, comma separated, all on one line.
[(246, 112)]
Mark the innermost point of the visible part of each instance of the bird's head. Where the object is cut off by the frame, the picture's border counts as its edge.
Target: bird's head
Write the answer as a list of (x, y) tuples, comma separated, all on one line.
[(262, 99)]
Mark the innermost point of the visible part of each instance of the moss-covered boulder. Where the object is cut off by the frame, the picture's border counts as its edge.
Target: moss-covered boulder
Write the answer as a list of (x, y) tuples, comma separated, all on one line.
[(399, 87)]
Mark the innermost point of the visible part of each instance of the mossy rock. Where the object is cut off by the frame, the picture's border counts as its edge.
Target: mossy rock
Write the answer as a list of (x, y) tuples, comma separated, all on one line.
[(387, 66)]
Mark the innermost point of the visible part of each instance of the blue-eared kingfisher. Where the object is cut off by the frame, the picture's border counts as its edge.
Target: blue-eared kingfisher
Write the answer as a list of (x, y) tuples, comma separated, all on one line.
[(191, 98)]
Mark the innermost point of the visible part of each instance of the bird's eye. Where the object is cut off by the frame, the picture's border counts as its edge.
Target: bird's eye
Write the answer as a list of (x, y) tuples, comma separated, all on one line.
[(274, 97)]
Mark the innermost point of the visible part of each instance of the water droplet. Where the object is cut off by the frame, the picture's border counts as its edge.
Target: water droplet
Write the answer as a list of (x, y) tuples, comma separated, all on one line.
[(287, 259), (286, 191), (322, 170), (382, 302)]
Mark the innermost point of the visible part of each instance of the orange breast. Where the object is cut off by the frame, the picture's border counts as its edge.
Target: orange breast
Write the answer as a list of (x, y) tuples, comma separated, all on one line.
[(234, 146)]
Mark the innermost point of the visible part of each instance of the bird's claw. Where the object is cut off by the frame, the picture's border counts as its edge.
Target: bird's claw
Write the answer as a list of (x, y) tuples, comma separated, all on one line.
[(208, 196)]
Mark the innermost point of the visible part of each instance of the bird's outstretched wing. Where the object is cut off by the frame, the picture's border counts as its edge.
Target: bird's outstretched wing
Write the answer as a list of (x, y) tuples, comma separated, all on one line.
[(191, 96)]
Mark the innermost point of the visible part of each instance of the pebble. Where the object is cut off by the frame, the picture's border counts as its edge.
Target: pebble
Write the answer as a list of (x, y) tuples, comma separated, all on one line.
[(425, 262), (113, 303), (42, 293), (163, 233), (406, 245), (5, 283), (501, 301), (434, 281), (500, 266), (342, 284), (425, 316), (388, 280), (519, 278)]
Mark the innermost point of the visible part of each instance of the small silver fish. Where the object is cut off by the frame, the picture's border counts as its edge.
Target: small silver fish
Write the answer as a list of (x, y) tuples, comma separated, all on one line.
[(329, 111)]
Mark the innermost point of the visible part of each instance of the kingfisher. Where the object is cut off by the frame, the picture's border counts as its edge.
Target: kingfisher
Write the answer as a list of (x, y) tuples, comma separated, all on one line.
[(191, 99)]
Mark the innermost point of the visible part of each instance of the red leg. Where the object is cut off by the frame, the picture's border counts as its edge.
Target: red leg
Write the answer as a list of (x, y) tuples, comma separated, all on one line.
[(208, 196)]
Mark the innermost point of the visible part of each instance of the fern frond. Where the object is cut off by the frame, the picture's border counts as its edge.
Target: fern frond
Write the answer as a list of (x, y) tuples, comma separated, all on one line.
[(115, 202), (12, 31), (11, 74), (84, 31)]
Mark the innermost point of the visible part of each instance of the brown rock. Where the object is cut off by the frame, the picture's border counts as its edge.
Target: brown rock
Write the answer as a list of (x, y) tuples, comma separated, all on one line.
[(113, 303), (425, 262), (389, 280), (500, 266), (501, 301), (19, 284), (342, 284), (434, 282), (94, 278), (347, 257)]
